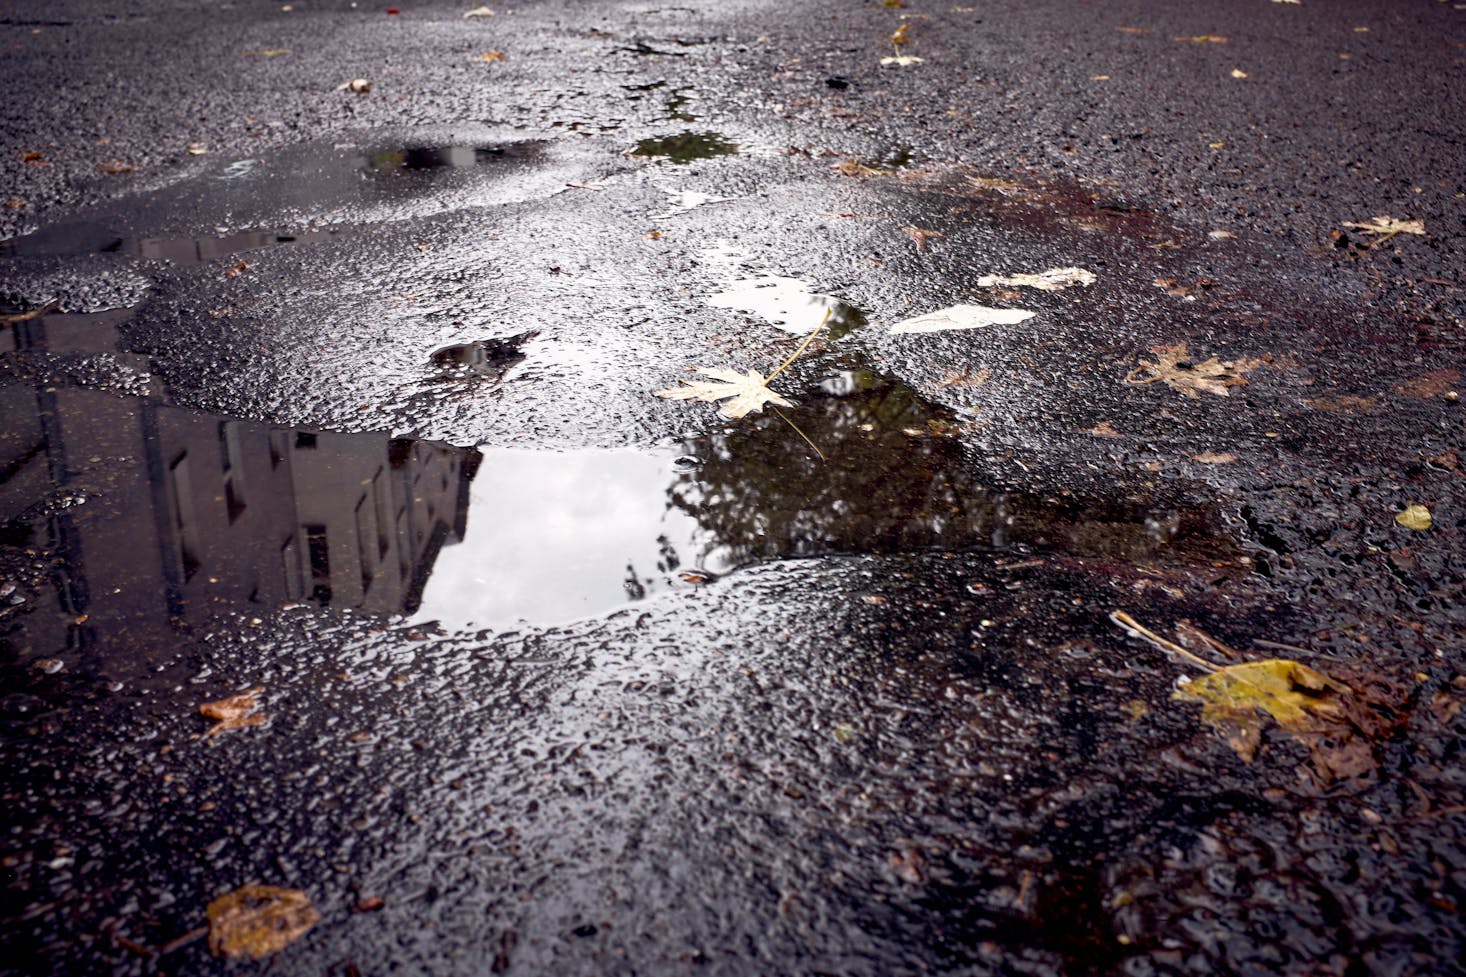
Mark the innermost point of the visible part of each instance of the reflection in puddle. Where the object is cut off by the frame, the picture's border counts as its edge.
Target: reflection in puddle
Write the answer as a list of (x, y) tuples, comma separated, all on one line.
[(91, 238), (490, 358), (127, 519), (260, 192), (789, 304), (686, 147), (681, 201)]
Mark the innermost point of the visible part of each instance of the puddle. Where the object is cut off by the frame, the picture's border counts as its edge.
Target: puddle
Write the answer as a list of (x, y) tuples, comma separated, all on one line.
[(686, 147), (340, 184), (124, 519), (150, 515), (789, 304), (91, 238), (482, 358)]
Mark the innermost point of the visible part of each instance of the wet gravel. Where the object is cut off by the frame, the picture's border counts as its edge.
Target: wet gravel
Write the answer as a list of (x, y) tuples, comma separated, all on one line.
[(865, 715)]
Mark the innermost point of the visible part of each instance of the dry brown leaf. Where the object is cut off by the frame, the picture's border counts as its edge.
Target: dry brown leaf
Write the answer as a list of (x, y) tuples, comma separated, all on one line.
[(1343, 403), (1174, 368), (235, 712), (1215, 457), (255, 921), (358, 85), (115, 166), (492, 56), (1104, 429), (921, 235), (1429, 385), (1203, 39), (1387, 227), (851, 167), (744, 393)]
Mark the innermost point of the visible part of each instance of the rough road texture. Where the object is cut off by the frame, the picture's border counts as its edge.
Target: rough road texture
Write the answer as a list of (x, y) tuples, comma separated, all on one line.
[(867, 750)]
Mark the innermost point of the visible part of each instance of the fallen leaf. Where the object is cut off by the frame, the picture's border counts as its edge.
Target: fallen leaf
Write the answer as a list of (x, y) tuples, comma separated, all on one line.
[(920, 235), (851, 167), (492, 56), (115, 166), (1104, 429), (962, 317), (745, 393), (1240, 699), (902, 60), (1181, 290), (235, 712), (900, 36), (15, 203), (1220, 235), (236, 269), (1238, 73), (257, 920), (1343, 403), (198, 149), (1416, 517), (1134, 30), (1429, 385), (1173, 368), (1203, 39), (273, 52), (1045, 281), (1387, 227), (480, 12), (358, 85), (32, 157), (1215, 458)]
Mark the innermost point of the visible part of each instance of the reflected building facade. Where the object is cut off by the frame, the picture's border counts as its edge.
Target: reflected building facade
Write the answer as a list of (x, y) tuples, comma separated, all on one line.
[(151, 514)]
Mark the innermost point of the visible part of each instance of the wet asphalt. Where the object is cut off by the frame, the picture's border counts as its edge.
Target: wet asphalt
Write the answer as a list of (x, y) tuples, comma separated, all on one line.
[(346, 396)]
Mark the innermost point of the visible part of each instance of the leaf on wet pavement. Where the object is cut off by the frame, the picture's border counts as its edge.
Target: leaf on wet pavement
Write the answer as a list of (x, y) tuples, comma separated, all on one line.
[(1214, 457), (1242, 698), (480, 12), (901, 60), (1174, 368), (235, 712), (744, 392), (492, 56), (1051, 280), (1203, 39), (921, 235), (1415, 517), (1387, 227), (255, 921), (115, 166), (358, 85), (962, 317), (851, 167)]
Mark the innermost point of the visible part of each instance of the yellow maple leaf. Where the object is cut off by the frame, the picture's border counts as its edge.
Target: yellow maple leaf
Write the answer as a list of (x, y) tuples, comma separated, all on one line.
[(1240, 698), (257, 920)]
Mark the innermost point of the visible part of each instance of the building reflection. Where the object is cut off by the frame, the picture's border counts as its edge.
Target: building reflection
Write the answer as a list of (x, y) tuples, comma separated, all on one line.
[(152, 514)]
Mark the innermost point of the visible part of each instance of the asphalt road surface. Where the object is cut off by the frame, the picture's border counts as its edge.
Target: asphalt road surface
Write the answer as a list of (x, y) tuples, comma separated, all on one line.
[(329, 365)]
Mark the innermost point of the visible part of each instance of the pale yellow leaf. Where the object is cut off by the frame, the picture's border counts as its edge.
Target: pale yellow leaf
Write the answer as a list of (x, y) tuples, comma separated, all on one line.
[(257, 920), (744, 392), (1051, 280)]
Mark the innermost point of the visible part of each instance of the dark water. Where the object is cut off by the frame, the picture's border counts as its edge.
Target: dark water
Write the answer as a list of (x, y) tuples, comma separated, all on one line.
[(147, 516)]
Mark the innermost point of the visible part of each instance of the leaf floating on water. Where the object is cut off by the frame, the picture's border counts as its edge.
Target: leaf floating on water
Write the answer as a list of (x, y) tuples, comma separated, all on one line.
[(1045, 281), (1416, 517), (1173, 368), (1241, 698), (235, 712), (745, 392), (257, 920), (962, 317), (1387, 227)]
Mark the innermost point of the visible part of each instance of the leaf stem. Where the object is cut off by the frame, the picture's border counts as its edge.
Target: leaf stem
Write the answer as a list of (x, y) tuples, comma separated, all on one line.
[(1135, 627), (799, 432), (802, 346)]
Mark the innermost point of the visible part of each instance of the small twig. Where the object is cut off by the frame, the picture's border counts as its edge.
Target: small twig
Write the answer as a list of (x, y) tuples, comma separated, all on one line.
[(35, 313), (802, 346), (799, 432), (1279, 646), (1139, 630), (178, 942)]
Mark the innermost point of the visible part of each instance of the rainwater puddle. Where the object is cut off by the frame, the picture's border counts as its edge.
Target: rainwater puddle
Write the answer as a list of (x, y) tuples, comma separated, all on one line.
[(295, 192), (686, 147), (124, 519), (92, 238), (789, 304), (482, 358)]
